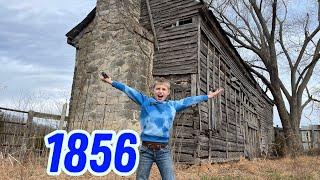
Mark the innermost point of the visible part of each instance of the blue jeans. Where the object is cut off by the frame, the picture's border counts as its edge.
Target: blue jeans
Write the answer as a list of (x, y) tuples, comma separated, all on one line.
[(161, 157)]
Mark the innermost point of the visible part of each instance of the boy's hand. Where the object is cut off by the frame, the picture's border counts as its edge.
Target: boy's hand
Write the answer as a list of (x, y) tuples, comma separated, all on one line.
[(105, 79), (215, 93)]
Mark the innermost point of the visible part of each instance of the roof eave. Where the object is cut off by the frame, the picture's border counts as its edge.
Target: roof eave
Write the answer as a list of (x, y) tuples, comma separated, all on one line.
[(74, 32), (205, 11)]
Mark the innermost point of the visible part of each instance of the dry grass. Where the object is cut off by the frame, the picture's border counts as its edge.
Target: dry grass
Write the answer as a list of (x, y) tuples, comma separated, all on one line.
[(304, 167)]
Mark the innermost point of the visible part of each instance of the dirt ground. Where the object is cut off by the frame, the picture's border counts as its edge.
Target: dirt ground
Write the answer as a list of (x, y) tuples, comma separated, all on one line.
[(303, 167)]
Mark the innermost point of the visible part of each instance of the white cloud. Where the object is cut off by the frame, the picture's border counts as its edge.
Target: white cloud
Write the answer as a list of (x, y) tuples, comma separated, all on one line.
[(39, 11), (26, 78), (35, 59), (17, 66), (23, 69)]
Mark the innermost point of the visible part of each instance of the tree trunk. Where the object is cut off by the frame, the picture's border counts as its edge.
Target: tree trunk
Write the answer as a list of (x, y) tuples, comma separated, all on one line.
[(292, 136), (293, 142), (290, 121)]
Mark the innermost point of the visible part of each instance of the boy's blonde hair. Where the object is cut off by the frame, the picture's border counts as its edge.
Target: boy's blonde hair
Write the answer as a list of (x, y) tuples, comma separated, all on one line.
[(161, 80)]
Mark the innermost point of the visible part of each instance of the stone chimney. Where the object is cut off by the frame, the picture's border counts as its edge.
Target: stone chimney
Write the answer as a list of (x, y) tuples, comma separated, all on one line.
[(113, 42)]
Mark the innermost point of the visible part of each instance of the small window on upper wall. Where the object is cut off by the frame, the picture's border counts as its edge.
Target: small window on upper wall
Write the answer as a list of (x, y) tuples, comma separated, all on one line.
[(184, 21), (178, 23)]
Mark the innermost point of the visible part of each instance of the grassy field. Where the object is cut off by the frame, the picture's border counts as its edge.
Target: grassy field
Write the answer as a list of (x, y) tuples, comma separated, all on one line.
[(303, 167)]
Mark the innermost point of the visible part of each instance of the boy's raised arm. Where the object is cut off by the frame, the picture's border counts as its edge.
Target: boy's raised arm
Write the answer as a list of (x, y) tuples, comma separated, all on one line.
[(133, 94), (189, 101)]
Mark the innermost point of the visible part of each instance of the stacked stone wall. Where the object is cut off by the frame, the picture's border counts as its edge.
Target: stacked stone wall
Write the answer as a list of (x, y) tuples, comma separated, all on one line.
[(115, 43)]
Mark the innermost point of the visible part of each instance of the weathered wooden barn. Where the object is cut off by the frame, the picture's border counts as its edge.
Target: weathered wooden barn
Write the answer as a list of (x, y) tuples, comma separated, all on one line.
[(193, 51)]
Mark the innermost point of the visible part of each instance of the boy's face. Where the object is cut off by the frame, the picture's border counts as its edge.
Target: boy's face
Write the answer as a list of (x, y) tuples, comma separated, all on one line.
[(161, 92)]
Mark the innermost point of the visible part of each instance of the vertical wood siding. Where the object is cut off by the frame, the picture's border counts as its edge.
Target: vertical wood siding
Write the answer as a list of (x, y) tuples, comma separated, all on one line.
[(195, 56), (176, 32)]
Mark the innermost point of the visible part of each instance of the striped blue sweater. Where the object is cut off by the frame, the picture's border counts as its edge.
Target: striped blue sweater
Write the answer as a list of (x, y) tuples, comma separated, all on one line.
[(156, 118)]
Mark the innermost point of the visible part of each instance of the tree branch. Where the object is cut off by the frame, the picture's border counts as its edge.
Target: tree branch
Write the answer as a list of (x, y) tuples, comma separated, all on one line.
[(309, 71), (257, 25), (314, 61), (305, 44), (264, 79), (258, 67), (281, 41), (237, 11), (262, 21), (274, 19), (310, 98), (233, 28), (284, 90), (234, 37)]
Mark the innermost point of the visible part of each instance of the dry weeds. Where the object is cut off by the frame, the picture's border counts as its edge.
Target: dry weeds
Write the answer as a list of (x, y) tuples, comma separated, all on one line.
[(304, 167)]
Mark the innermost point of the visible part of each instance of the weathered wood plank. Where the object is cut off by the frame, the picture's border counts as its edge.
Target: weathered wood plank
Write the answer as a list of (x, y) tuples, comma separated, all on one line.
[(176, 66), (162, 5), (183, 35), (178, 29), (174, 71), (176, 48), (183, 158), (177, 42), (193, 85), (178, 58), (161, 22)]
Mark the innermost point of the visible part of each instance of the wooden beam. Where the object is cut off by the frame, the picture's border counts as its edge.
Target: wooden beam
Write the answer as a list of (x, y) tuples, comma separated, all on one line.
[(15, 110), (208, 85), (226, 107), (12, 122), (156, 44), (219, 84), (46, 116), (26, 142), (198, 86), (210, 100), (236, 115), (199, 66), (193, 84), (213, 123)]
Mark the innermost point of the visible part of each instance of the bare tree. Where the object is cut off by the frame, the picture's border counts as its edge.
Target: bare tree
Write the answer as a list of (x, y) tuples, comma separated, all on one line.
[(2, 87), (277, 36)]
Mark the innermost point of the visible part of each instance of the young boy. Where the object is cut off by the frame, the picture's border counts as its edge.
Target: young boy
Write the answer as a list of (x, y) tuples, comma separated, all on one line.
[(156, 120)]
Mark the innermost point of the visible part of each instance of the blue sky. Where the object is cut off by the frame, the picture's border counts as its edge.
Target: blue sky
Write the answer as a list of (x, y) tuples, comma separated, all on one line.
[(36, 62)]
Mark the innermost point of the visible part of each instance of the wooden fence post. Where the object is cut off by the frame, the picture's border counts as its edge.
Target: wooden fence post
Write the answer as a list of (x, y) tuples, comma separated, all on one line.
[(27, 134), (63, 116), (29, 127)]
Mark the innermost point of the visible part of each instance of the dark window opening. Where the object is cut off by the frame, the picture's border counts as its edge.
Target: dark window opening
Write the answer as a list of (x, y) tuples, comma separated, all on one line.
[(178, 23), (185, 21)]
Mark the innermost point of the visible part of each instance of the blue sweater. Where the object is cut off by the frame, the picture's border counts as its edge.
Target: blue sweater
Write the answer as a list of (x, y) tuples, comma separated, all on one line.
[(157, 117)]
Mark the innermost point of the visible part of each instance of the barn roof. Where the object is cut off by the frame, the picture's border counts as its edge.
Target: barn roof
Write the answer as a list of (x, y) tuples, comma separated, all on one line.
[(207, 12), (74, 32), (204, 10)]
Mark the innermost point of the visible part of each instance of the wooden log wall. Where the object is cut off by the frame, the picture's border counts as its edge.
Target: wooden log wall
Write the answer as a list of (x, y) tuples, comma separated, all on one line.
[(241, 117), (176, 34), (220, 135), (195, 56)]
